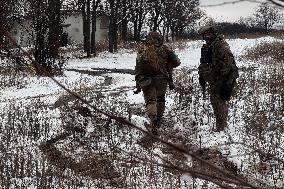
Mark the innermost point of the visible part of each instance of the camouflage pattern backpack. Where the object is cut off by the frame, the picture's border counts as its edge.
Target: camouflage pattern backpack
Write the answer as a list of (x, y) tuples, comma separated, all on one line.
[(148, 57)]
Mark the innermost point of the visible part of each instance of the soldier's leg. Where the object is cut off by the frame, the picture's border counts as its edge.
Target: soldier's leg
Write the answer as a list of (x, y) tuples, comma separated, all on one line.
[(161, 88), (220, 108), (149, 94)]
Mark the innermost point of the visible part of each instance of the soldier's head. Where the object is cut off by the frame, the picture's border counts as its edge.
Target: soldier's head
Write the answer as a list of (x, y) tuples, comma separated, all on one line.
[(154, 38), (208, 33)]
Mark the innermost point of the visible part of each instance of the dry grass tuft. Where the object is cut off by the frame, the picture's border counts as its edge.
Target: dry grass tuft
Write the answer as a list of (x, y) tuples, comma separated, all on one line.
[(11, 76), (273, 50)]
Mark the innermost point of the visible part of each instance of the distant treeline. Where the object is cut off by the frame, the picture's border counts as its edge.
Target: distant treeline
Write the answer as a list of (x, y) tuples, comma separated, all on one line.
[(234, 30)]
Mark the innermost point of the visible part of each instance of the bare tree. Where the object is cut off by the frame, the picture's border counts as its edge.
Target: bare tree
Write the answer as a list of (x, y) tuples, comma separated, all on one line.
[(46, 24), (124, 21), (85, 6), (89, 11), (114, 8), (9, 13), (55, 30), (266, 16), (138, 18), (95, 6), (39, 16), (180, 14), (279, 3), (156, 11)]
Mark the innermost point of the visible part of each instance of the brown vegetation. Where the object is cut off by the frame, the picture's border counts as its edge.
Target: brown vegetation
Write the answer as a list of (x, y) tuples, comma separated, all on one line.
[(267, 50), (33, 147)]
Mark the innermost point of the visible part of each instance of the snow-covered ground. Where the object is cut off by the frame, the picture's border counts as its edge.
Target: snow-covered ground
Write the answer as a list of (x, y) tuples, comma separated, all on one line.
[(50, 92), (122, 60)]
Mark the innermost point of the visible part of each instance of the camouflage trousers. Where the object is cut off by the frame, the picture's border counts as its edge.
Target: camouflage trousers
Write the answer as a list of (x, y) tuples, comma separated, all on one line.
[(154, 96), (220, 108)]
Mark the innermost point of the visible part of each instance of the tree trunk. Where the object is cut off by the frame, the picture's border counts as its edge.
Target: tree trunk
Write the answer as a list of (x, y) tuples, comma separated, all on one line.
[(173, 33), (94, 26), (86, 14), (40, 27), (138, 19), (135, 28), (141, 18), (113, 26), (155, 23), (124, 22), (156, 17), (40, 47), (93, 34), (55, 29), (167, 33)]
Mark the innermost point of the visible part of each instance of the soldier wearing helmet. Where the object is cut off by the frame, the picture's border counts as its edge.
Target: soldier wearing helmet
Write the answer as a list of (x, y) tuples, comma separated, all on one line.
[(154, 65), (154, 38), (217, 69)]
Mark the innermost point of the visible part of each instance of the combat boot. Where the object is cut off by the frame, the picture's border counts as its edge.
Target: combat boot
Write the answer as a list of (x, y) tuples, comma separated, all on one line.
[(158, 122), (220, 127), (154, 131), (153, 120), (154, 128), (156, 125)]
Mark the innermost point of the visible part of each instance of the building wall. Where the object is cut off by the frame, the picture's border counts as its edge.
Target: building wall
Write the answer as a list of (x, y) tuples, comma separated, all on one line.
[(75, 29), (24, 34)]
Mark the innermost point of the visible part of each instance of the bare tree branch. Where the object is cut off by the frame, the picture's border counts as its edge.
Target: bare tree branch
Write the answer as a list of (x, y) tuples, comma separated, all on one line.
[(195, 173), (231, 2), (279, 3)]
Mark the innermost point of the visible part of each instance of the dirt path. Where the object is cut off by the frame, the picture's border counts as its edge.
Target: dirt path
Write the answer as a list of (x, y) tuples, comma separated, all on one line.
[(100, 71)]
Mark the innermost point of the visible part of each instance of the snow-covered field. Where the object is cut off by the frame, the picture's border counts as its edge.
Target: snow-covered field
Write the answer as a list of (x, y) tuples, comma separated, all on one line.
[(41, 110)]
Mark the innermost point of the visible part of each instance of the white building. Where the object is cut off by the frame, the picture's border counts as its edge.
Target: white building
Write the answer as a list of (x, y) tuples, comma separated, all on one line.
[(72, 26)]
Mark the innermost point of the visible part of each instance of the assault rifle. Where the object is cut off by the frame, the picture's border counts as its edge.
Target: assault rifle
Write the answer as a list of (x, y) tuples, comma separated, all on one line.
[(171, 81), (204, 93), (203, 86)]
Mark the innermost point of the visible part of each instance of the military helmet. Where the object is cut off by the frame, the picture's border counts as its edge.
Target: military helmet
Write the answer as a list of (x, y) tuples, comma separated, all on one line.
[(154, 38), (207, 28)]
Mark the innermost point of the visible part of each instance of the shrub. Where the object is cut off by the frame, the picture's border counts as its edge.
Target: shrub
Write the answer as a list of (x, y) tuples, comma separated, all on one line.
[(273, 50)]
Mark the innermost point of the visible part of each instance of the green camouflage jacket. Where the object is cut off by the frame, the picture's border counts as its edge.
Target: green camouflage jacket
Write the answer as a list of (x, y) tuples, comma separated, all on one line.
[(216, 61), (164, 55)]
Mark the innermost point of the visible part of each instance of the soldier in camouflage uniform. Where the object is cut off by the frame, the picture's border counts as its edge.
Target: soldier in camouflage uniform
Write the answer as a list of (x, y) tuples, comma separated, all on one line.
[(216, 67), (154, 83)]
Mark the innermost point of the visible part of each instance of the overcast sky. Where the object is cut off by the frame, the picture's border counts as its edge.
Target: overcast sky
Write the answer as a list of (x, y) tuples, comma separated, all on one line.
[(230, 12)]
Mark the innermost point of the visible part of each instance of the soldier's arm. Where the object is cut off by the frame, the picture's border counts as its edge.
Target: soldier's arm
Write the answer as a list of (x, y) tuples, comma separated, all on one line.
[(137, 71), (172, 62), (172, 59), (224, 57), (137, 66), (138, 62)]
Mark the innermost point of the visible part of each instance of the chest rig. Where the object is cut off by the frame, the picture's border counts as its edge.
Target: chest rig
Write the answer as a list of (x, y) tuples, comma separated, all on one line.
[(206, 54)]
